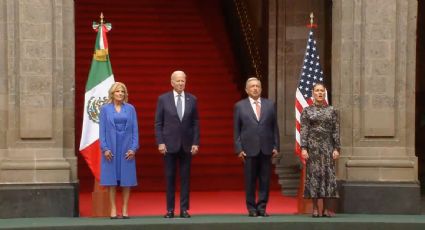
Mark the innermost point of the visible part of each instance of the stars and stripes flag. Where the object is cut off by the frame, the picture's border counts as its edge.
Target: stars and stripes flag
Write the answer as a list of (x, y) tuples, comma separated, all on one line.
[(311, 73)]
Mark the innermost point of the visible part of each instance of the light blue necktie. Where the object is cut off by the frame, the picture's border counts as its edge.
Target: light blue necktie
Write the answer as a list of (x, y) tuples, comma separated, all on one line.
[(179, 106)]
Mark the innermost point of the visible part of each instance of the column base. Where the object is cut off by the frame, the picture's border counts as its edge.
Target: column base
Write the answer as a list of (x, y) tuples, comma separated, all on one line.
[(39, 200), (380, 198)]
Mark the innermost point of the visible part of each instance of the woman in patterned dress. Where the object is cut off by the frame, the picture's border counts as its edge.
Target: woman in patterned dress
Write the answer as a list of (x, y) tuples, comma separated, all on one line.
[(119, 141), (320, 147)]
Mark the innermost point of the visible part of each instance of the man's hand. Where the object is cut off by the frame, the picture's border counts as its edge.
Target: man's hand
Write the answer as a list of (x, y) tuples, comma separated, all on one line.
[(162, 149), (335, 154), (108, 155), (195, 149), (304, 154), (129, 155), (275, 153), (242, 156)]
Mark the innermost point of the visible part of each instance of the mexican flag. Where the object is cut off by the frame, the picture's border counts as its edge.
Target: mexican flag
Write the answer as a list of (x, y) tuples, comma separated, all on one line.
[(98, 83)]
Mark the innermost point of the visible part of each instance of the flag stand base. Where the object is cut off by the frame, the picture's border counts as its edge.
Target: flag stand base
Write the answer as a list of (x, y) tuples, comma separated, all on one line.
[(100, 201), (304, 205)]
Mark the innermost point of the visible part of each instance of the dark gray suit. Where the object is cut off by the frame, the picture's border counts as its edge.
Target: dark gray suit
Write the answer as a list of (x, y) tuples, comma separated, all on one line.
[(257, 139), (178, 137)]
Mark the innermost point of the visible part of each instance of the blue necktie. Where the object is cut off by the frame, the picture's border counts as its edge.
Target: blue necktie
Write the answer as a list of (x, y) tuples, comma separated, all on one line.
[(179, 106)]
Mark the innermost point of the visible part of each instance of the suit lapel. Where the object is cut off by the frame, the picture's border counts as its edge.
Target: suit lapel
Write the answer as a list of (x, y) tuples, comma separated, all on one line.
[(251, 111), (124, 109), (111, 111), (187, 105), (173, 104)]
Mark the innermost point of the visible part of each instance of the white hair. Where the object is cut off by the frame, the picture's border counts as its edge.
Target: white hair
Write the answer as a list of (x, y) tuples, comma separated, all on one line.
[(177, 72), (252, 79)]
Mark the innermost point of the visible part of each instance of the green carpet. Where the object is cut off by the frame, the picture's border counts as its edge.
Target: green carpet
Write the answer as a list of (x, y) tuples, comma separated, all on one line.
[(341, 221)]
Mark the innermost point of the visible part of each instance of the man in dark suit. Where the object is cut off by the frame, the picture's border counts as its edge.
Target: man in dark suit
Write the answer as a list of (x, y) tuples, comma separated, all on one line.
[(177, 136), (256, 137)]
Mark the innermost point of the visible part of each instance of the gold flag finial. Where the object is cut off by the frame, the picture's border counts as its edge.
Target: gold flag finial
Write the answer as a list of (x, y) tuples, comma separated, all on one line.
[(101, 17), (101, 54), (311, 19)]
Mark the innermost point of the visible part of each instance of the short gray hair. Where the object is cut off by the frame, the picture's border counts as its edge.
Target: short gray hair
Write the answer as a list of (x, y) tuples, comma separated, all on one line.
[(177, 72), (251, 79)]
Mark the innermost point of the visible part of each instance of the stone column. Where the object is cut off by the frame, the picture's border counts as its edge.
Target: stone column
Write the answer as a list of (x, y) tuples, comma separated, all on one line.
[(288, 33), (373, 68), (37, 161)]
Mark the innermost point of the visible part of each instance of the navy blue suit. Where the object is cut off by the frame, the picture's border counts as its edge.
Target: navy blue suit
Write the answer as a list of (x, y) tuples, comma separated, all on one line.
[(257, 138), (178, 137)]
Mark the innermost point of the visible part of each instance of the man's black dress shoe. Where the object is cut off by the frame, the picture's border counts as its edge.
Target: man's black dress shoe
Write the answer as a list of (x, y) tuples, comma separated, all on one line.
[(252, 213), (263, 213), (114, 217), (184, 214), (169, 215), (125, 217)]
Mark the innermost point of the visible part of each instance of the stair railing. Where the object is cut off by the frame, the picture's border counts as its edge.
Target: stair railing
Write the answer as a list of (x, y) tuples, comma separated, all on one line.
[(248, 37)]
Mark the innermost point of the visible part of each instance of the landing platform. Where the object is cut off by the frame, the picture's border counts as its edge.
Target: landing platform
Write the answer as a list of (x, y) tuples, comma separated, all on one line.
[(201, 203), (230, 222)]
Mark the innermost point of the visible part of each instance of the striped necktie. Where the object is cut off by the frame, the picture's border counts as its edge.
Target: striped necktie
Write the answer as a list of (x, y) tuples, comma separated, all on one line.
[(258, 109), (179, 106)]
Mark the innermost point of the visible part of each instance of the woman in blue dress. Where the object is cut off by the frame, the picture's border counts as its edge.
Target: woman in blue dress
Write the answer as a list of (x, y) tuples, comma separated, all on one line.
[(119, 141)]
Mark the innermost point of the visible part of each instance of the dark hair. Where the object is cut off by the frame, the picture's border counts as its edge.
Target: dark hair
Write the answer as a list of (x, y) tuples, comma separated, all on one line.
[(319, 83)]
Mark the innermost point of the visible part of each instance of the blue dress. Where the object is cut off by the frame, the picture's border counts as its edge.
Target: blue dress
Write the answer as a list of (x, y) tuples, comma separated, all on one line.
[(120, 120), (118, 133)]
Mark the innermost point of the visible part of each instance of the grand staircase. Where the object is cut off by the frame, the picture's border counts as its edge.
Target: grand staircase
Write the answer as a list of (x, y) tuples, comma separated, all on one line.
[(150, 39)]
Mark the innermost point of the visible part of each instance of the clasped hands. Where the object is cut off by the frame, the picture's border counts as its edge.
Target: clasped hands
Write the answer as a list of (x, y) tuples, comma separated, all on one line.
[(163, 149), (242, 155), (304, 154), (129, 155)]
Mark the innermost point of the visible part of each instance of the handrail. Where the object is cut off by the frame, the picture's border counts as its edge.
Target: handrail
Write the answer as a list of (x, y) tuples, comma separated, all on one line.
[(248, 35)]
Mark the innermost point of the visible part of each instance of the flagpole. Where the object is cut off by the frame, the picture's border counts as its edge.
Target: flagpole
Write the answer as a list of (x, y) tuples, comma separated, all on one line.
[(304, 205), (101, 18), (100, 194)]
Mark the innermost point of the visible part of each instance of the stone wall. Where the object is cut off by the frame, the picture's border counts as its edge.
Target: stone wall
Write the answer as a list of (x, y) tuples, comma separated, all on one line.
[(373, 66), (37, 98)]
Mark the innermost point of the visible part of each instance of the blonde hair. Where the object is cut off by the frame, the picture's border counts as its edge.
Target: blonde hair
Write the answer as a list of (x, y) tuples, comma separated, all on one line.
[(114, 88)]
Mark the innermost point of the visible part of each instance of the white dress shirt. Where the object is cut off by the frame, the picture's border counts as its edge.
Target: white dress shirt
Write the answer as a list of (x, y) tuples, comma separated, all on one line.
[(252, 102)]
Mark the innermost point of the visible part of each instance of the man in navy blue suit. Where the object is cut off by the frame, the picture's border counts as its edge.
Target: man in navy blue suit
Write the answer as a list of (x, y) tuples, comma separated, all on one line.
[(177, 136), (256, 138)]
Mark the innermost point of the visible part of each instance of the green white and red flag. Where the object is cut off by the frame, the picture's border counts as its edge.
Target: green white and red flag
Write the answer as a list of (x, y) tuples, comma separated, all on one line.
[(98, 83)]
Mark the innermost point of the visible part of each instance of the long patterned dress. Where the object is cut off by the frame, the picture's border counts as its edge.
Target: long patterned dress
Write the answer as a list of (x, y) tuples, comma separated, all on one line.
[(320, 136)]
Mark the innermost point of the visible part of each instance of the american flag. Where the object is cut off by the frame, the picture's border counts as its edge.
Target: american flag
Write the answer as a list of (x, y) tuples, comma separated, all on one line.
[(311, 73)]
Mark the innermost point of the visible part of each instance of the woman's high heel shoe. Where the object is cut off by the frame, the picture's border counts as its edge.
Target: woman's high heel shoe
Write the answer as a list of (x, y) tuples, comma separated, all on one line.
[(327, 213), (315, 214)]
